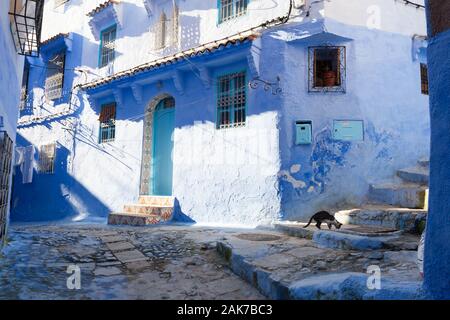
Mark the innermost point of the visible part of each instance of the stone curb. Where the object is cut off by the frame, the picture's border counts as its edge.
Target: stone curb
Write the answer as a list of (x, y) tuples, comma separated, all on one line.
[(337, 286)]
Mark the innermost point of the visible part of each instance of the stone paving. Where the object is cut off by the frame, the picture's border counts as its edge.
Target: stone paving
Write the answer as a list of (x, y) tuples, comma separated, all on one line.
[(296, 268), (186, 262), (116, 263)]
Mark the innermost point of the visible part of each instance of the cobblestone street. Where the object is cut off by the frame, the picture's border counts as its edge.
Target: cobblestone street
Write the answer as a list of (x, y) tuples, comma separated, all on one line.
[(190, 262), (117, 263)]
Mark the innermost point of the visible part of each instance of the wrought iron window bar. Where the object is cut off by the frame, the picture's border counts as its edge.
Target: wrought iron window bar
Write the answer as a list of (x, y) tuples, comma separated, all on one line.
[(26, 23), (6, 152)]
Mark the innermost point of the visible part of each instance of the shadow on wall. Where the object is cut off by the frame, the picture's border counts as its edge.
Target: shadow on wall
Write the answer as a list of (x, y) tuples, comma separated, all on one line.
[(53, 197)]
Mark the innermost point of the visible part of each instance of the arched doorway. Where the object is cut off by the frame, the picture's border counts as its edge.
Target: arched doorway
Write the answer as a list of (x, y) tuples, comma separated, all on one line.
[(157, 165)]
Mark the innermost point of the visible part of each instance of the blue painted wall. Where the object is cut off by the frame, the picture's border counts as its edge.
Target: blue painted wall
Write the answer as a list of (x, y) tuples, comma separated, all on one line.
[(437, 253), (253, 174)]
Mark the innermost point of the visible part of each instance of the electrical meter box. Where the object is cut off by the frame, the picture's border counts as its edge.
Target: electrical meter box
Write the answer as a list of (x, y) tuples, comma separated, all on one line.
[(303, 132), (348, 130)]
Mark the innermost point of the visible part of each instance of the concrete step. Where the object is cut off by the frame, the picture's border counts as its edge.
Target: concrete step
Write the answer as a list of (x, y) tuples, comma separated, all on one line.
[(417, 174), (157, 201), (133, 219), (349, 237), (148, 209), (382, 216), (424, 162), (407, 195)]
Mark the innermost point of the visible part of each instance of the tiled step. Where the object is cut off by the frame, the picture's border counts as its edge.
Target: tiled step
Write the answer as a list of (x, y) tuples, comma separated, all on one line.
[(158, 201), (424, 162), (417, 174), (147, 209), (405, 195), (382, 216), (133, 219)]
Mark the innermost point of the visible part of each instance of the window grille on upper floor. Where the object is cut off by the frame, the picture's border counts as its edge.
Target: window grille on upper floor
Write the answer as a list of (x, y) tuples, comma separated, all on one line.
[(55, 76), (107, 121), (26, 24), (230, 9), (47, 155), (231, 100), (424, 78), (24, 88), (107, 46)]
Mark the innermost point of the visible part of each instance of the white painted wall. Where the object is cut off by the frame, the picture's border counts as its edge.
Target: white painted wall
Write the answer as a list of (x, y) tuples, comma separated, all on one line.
[(11, 68)]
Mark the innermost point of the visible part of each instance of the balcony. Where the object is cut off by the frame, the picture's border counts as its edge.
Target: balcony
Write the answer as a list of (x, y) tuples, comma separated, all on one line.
[(26, 21)]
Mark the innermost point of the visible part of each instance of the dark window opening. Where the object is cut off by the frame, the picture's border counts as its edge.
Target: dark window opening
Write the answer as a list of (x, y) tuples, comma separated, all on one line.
[(326, 68), (424, 78)]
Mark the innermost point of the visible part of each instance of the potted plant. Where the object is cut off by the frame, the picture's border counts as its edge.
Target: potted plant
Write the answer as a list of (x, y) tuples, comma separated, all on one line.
[(329, 77)]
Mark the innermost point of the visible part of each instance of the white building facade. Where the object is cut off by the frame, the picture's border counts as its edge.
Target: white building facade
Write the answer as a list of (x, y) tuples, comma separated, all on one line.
[(246, 112)]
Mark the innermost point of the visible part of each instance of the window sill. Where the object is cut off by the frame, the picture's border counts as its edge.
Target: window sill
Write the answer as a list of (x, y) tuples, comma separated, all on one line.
[(338, 89)]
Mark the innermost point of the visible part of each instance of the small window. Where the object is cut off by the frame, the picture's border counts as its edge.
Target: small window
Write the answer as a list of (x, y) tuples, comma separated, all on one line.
[(231, 100), (55, 76), (24, 88), (327, 69), (107, 46), (230, 9), (424, 78), (107, 121), (47, 155)]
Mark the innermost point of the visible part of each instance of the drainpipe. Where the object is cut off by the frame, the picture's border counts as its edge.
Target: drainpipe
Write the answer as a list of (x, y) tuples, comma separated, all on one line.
[(437, 241)]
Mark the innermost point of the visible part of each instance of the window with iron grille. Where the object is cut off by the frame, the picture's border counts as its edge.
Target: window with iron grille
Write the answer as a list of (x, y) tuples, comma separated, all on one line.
[(47, 155), (107, 46), (24, 88), (230, 9), (107, 123), (327, 69), (55, 76), (424, 78), (6, 154), (231, 100)]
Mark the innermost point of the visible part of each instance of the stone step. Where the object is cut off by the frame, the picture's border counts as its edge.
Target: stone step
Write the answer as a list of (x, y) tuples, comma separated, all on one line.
[(424, 162), (349, 237), (158, 201), (147, 209), (417, 174), (137, 219), (401, 195), (382, 216)]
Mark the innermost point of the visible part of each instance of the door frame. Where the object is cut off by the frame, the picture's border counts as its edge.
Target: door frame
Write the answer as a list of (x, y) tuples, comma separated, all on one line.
[(147, 144)]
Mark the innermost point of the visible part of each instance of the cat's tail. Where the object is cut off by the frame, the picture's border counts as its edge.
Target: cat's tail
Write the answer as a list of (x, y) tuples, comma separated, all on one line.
[(310, 220)]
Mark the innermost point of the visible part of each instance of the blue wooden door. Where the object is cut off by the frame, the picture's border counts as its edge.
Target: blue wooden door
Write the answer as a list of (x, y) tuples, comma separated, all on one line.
[(163, 126)]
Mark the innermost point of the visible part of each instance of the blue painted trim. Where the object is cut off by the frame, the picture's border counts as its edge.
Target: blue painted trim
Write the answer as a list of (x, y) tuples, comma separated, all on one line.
[(107, 29), (204, 57)]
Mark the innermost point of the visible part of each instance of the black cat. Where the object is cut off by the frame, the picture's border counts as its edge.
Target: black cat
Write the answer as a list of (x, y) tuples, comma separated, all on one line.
[(324, 217)]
